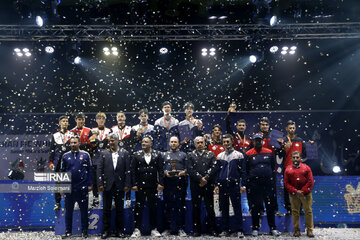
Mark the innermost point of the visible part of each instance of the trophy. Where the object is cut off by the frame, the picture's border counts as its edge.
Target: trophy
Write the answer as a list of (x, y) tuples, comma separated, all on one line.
[(173, 172), (232, 107)]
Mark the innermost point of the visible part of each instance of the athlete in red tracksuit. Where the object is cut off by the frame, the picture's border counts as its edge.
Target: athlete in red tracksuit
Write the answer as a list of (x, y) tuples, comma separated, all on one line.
[(242, 142), (214, 143), (290, 143)]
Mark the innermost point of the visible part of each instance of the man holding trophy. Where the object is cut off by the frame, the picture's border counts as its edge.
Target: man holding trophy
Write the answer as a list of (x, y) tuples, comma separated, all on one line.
[(175, 184)]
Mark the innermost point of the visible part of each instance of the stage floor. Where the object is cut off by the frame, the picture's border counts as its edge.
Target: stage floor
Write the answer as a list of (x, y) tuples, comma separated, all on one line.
[(320, 233)]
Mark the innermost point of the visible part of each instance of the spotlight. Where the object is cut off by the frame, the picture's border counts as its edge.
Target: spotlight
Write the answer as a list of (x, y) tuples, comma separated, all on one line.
[(253, 59), (28, 54), (39, 21), (283, 52), (285, 48), (19, 54), (212, 49), (49, 49), (17, 50), (223, 17), (273, 21), (115, 53), (336, 169), (106, 49), (114, 49), (25, 50), (293, 48), (212, 53), (292, 52), (204, 50), (107, 53), (212, 17), (274, 49), (77, 60), (204, 54), (163, 50)]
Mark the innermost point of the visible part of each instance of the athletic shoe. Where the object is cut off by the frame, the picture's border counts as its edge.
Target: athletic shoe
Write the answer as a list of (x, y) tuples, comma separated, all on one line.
[(136, 233), (155, 233)]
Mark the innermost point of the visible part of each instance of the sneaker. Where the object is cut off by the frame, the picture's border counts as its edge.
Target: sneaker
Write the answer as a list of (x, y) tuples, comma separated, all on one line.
[(155, 233), (255, 233), (166, 233), (136, 233), (224, 234), (182, 233), (275, 233), (240, 235), (57, 207)]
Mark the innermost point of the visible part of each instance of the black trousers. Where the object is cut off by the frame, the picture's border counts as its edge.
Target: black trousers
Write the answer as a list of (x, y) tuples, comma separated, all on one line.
[(197, 193), (261, 191), (82, 198), (230, 190), (143, 194), (174, 199), (118, 196), (95, 187)]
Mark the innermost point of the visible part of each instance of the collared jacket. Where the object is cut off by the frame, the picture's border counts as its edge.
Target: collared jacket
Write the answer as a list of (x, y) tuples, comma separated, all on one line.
[(299, 179), (146, 175), (260, 165), (231, 167), (108, 175), (79, 164), (201, 165)]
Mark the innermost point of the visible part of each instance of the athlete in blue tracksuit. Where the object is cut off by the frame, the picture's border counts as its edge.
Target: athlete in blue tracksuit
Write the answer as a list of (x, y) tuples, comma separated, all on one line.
[(78, 163), (231, 182)]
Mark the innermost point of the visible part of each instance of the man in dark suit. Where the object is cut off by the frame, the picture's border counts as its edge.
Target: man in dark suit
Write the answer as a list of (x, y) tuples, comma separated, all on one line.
[(147, 171), (113, 180), (202, 168)]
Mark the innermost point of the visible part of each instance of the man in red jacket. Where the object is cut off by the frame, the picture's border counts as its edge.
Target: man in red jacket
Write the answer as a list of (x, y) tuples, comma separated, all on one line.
[(299, 182)]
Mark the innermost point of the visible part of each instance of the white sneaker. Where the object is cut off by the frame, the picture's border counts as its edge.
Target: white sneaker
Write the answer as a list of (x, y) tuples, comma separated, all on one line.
[(275, 233), (240, 235), (182, 233), (136, 233), (155, 233), (165, 233)]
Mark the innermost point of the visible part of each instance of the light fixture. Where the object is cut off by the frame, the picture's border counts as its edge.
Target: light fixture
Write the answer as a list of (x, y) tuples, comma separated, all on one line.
[(274, 49), (253, 59), (283, 52), (285, 48), (77, 60), (163, 50), (212, 17), (273, 21), (336, 169), (292, 52), (293, 48), (49, 49), (39, 21), (222, 17)]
